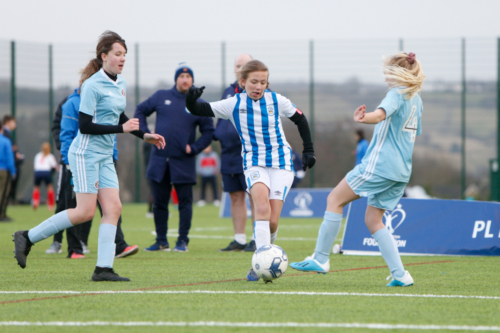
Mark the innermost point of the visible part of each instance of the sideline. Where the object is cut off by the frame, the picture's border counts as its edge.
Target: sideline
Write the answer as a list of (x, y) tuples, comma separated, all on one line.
[(377, 326)]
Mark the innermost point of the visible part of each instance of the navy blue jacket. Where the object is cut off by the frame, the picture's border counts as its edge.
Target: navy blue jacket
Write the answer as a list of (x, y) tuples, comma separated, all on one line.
[(178, 127), (231, 161)]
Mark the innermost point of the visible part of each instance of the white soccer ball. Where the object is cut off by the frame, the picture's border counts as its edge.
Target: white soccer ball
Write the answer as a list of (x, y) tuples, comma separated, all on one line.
[(270, 262)]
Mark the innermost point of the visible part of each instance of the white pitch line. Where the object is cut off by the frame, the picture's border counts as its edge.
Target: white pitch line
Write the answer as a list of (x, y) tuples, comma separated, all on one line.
[(256, 292), (377, 326)]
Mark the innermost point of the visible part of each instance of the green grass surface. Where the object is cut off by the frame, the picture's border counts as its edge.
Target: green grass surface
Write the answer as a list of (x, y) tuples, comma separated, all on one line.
[(169, 271)]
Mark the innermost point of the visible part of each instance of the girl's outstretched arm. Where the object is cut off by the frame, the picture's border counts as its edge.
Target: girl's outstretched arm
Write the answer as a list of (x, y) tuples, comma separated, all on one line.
[(375, 117)]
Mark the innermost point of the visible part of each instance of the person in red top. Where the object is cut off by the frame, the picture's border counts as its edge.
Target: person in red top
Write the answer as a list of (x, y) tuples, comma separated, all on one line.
[(208, 167)]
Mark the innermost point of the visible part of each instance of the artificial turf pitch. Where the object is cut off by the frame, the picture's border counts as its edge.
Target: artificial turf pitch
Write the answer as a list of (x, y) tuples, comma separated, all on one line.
[(204, 290)]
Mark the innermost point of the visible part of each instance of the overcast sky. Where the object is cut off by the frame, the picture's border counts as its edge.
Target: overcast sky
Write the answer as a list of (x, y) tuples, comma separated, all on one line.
[(215, 20)]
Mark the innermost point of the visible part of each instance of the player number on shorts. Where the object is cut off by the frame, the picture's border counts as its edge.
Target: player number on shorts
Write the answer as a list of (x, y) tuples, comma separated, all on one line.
[(411, 124)]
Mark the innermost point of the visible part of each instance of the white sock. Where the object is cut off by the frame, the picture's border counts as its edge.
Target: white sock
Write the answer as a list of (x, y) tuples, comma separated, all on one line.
[(262, 234), (240, 238), (273, 236)]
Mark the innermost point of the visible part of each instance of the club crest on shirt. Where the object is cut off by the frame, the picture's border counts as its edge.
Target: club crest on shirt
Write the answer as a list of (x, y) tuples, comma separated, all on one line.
[(255, 175), (168, 102), (270, 110), (96, 185), (123, 92)]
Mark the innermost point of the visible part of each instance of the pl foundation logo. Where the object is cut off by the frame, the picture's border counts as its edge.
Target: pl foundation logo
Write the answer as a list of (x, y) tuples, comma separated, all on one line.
[(303, 200), (392, 220)]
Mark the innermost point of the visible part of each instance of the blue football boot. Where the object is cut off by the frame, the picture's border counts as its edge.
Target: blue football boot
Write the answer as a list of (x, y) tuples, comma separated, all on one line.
[(252, 276), (311, 265), (404, 281)]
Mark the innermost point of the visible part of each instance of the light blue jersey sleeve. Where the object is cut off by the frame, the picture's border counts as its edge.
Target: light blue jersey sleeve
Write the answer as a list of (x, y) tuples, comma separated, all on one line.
[(89, 98), (392, 102)]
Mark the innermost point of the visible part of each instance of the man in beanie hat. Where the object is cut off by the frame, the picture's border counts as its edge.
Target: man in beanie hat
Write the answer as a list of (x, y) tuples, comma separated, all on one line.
[(174, 165)]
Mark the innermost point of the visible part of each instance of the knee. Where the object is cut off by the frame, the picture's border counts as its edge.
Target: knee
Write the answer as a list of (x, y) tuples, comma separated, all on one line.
[(332, 201), (262, 209)]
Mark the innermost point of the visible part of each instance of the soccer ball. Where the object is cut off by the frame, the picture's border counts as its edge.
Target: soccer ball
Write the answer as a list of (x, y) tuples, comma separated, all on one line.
[(270, 262)]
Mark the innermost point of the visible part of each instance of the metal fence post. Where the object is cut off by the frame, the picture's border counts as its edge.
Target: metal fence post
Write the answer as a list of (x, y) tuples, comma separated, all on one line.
[(137, 140), (311, 104), (401, 45), (223, 64), (13, 83), (463, 178), (51, 97), (494, 172)]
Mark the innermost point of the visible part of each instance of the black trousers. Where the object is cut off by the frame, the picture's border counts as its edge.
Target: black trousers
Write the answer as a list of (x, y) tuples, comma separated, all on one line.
[(67, 200), (210, 180), (161, 195)]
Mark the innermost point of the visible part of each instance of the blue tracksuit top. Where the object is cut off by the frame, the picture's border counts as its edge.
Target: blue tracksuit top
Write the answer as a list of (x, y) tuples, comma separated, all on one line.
[(231, 161), (178, 127), (69, 125), (7, 155)]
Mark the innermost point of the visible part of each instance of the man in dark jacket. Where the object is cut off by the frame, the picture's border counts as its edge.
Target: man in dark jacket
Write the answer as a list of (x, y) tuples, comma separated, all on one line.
[(233, 179), (174, 165)]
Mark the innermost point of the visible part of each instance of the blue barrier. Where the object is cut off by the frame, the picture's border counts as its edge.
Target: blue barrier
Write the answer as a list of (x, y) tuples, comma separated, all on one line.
[(303, 202), (428, 227)]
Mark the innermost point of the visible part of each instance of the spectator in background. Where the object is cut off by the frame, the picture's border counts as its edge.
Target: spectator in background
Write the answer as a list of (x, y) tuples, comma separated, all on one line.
[(361, 147), (208, 166), (233, 179), (146, 153), (7, 172), (9, 125), (44, 164), (174, 165)]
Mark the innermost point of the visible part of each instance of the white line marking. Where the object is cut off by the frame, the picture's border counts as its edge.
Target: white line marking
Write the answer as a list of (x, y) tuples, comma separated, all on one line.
[(377, 326), (286, 293)]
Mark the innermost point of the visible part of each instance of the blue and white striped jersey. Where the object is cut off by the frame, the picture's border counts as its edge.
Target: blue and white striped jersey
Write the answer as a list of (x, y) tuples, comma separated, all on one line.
[(259, 126), (390, 152), (104, 100)]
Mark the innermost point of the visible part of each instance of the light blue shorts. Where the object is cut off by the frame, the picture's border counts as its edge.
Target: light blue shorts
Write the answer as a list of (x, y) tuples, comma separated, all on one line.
[(92, 171), (382, 193)]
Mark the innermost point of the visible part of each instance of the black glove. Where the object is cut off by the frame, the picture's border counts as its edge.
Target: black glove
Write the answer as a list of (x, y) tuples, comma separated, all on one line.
[(308, 159), (194, 93)]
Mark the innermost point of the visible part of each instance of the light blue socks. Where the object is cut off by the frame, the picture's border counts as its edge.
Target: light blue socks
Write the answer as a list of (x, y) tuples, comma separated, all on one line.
[(389, 249), (106, 246), (49, 227), (327, 234)]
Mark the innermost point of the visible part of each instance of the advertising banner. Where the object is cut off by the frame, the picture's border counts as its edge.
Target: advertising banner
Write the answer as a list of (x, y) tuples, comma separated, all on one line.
[(303, 202), (428, 227)]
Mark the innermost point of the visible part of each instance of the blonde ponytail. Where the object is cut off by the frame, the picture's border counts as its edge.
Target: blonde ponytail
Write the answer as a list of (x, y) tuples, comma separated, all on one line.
[(404, 70)]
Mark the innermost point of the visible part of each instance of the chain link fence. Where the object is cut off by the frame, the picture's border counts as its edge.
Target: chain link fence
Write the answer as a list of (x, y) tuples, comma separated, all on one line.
[(327, 79)]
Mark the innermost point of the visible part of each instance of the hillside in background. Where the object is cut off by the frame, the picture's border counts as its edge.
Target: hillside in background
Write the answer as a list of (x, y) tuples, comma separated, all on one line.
[(437, 152)]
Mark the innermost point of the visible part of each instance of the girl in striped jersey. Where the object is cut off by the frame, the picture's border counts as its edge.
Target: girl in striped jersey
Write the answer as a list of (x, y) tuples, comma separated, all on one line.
[(267, 156), (101, 116), (384, 171)]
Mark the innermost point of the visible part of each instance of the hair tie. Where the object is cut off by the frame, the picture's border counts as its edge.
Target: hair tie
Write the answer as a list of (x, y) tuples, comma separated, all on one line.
[(411, 58)]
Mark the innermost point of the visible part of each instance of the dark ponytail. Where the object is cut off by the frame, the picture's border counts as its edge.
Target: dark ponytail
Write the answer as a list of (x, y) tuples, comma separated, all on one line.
[(105, 44)]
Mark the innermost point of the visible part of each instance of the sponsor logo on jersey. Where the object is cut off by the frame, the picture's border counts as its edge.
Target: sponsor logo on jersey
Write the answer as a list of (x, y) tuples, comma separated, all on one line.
[(168, 102), (255, 175), (243, 110)]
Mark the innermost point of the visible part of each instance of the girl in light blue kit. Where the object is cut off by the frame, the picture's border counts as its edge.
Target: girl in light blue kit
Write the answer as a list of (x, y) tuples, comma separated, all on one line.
[(384, 171), (101, 116)]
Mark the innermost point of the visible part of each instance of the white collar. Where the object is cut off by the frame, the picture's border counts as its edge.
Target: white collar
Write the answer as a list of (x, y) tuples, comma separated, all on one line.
[(108, 78)]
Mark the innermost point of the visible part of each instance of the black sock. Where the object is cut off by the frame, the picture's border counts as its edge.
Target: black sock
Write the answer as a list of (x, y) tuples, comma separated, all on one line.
[(25, 234), (99, 270)]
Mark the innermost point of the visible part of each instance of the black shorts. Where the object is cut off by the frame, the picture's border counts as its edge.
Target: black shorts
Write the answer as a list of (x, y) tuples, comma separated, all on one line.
[(234, 182), (43, 176)]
